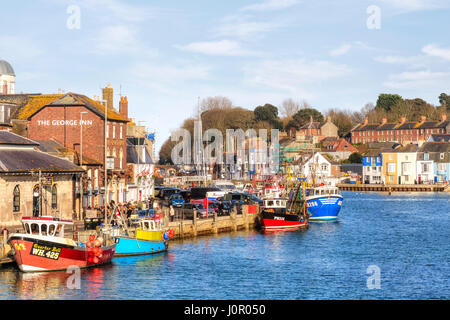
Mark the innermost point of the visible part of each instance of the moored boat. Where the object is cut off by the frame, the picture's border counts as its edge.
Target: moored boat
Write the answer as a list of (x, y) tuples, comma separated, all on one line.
[(43, 247), (148, 238), (324, 202), (276, 217)]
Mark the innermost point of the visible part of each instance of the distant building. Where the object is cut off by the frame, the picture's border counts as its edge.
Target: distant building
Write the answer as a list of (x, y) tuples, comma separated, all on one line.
[(318, 130), (373, 161), (445, 137), (433, 162), (399, 165), (401, 132), (339, 149), (7, 80)]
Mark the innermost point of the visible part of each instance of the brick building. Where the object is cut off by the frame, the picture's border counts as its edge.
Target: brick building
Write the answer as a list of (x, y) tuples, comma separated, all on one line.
[(401, 132), (59, 117)]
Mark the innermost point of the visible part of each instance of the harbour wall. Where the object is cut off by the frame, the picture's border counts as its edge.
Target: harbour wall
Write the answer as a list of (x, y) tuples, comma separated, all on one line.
[(394, 187)]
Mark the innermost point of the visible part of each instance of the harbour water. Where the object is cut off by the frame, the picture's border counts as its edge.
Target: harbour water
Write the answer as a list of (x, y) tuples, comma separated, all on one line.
[(404, 236)]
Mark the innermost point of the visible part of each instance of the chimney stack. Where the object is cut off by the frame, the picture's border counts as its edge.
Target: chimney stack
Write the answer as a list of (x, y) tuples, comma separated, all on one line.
[(383, 120), (443, 117), (108, 95), (366, 121), (423, 119), (402, 120), (123, 107)]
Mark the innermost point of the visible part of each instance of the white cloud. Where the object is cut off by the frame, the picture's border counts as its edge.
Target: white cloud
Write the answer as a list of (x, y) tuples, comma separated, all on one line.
[(121, 39), (293, 75), (241, 28), (417, 79), (217, 48), (417, 5), (270, 5), (343, 49), (435, 51)]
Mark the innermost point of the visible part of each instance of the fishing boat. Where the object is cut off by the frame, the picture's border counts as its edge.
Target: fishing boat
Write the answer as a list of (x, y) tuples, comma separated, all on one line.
[(323, 202), (147, 238), (44, 247), (275, 216)]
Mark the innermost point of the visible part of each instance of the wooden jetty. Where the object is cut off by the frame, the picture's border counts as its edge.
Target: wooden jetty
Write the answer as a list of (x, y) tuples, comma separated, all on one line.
[(214, 224), (394, 187)]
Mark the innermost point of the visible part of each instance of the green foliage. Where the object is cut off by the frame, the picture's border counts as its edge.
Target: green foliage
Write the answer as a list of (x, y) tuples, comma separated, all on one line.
[(355, 157), (304, 116), (268, 113), (444, 100), (387, 101)]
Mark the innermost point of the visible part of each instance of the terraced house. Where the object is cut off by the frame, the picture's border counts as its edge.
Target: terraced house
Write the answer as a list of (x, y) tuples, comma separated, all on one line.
[(433, 162), (401, 132)]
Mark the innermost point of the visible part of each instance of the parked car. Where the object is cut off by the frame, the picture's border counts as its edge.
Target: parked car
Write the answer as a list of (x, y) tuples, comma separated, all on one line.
[(188, 210), (176, 200)]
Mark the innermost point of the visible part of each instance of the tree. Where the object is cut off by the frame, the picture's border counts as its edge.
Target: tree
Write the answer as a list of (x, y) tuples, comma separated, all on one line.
[(217, 102), (289, 108), (387, 101), (355, 157), (444, 100), (268, 113), (304, 116), (342, 119)]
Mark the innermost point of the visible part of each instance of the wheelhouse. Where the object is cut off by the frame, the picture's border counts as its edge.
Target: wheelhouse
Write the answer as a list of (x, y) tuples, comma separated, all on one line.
[(45, 226), (322, 191)]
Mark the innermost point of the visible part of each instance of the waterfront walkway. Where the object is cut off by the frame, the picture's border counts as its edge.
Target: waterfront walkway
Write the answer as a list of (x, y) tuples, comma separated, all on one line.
[(395, 187)]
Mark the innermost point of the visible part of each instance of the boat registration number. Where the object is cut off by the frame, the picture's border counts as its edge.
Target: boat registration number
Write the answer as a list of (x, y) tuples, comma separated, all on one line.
[(49, 252), (278, 218)]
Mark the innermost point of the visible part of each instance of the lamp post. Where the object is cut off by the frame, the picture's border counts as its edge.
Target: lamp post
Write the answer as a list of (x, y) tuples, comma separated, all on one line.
[(81, 161), (140, 152)]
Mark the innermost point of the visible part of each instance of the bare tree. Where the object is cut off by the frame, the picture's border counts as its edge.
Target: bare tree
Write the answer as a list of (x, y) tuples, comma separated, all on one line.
[(289, 107), (217, 102)]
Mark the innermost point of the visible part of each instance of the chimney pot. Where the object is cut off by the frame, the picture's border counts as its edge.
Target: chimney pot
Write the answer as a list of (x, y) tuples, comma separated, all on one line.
[(383, 120), (444, 117), (403, 119), (366, 121), (423, 119)]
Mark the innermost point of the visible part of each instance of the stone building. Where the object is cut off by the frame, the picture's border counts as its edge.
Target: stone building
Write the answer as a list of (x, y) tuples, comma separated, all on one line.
[(33, 183)]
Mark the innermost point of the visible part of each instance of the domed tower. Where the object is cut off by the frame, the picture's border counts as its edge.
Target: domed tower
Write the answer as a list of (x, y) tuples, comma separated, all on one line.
[(7, 78)]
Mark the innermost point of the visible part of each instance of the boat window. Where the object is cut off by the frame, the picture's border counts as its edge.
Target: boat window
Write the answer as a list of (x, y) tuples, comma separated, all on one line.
[(270, 203), (322, 192), (27, 228), (317, 192), (146, 225), (44, 229), (34, 228), (51, 230)]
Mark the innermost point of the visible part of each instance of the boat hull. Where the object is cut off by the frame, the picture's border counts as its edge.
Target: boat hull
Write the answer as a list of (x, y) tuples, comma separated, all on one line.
[(280, 221), (126, 246), (36, 255), (324, 207)]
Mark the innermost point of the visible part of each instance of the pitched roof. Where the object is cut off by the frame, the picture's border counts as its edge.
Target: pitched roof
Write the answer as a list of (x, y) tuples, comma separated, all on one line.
[(440, 137), (435, 147), (16, 161), (35, 103), (9, 138)]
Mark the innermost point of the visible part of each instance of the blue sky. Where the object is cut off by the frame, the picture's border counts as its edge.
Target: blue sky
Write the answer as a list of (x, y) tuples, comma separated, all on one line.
[(165, 54)]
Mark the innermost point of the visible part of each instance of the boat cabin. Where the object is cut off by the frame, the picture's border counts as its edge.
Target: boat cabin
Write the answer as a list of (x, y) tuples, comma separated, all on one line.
[(150, 225), (45, 226), (275, 203), (321, 191)]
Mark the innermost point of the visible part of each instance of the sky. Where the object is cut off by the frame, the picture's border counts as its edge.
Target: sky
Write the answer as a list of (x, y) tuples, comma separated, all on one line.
[(165, 55)]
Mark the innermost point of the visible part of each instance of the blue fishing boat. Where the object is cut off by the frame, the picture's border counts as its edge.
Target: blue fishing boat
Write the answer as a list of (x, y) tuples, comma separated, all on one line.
[(324, 203), (148, 238)]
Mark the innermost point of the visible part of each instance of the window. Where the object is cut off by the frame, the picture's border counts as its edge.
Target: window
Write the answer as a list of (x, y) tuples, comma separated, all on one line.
[(391, 167), (54, 197), (16, 199), (120, 132), (114, 131), (107, 131), (441, 155), (425, 156)]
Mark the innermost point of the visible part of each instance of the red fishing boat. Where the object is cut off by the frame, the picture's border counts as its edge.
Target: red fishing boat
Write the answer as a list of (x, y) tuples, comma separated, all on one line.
[(275, 216), (43, 247)]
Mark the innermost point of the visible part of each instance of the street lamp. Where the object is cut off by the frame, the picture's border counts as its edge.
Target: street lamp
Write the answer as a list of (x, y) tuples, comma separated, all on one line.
[(81, 160)]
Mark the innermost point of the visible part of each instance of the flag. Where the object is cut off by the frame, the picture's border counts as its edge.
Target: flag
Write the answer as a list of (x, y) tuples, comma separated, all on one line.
[(205, 203)]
